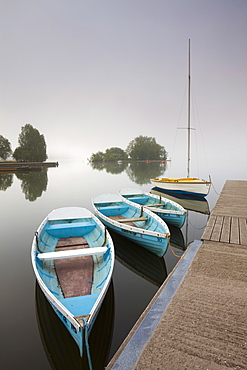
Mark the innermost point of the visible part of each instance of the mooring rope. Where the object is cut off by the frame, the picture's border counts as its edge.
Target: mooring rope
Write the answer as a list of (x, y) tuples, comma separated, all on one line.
[(173, 251), (214, 188), (87, 344)]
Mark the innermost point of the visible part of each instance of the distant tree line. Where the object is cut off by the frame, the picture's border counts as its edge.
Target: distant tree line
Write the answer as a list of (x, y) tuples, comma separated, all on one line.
[(140, 148), (32, 146)]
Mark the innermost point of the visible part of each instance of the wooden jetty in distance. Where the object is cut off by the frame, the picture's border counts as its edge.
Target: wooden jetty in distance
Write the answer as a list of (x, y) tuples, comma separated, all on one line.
[(198, 318), (12, 166)]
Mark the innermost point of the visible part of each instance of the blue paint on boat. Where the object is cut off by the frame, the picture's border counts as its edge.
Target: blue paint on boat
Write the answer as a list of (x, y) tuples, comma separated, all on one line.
[(75, 311), (171, 212), (67, 229), (146, 229), (80, 305), (183, 192)]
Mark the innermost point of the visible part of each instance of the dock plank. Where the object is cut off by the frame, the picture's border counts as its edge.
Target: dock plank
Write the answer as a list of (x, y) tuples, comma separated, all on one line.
[(225, 234), (243, 230), (217, 229), (234, 234), (209, 228)]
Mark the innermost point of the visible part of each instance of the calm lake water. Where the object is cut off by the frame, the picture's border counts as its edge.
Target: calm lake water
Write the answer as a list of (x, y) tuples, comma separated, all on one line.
[(31, 335)]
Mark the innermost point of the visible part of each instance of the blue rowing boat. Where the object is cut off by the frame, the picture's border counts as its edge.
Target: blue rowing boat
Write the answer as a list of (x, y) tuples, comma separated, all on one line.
[(171, 212), (133, 221), (73, 258)]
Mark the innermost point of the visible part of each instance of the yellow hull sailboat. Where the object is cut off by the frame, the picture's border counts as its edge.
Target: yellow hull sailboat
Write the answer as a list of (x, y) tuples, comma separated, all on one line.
[(188, 185)]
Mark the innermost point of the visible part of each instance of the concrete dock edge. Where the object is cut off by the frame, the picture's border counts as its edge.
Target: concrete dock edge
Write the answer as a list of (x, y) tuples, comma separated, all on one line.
[(129, 353)]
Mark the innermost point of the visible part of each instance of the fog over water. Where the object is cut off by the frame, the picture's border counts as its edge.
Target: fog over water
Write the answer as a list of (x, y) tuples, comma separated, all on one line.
[(95, 75), (25, 201), (83, 72)]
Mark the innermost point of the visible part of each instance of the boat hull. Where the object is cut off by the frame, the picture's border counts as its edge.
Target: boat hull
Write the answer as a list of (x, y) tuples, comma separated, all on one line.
[(199, 188), (171, 212), (149, 231), (171, 219), (75, 299), (155, 244)]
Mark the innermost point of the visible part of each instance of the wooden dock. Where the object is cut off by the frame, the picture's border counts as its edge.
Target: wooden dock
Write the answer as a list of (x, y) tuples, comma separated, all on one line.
[(228, 221), (13, 164), (203, 325)]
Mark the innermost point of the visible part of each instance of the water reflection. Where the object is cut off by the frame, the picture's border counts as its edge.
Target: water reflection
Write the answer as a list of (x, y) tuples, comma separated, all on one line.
[(189, 202), (110, 167), (138, 172), (177, 238), (142, 172), (33, 184), (6, 180), (139, 260), (61, 350)]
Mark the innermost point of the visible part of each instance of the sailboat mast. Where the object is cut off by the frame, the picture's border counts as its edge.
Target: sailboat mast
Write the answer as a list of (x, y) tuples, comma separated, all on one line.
[(188, 163)]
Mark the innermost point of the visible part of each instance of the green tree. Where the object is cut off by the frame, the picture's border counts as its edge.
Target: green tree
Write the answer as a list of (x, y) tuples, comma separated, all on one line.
[(5, 148), (32, 145), (97, 157), (115, 154), (144, 147)]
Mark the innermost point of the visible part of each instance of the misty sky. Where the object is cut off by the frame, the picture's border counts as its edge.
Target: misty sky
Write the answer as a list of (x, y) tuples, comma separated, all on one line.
[(95, 74)]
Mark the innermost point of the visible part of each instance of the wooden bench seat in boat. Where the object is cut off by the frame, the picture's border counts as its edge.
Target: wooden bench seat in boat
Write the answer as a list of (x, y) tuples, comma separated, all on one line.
[(134, 219), (155, 205), (72, 253), (166, 210)]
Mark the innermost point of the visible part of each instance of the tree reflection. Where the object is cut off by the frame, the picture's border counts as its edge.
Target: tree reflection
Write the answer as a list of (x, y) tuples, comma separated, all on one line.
[(6, 180), (138, 172), (110, 166), (142, 172), (100, 166), (33, 184)]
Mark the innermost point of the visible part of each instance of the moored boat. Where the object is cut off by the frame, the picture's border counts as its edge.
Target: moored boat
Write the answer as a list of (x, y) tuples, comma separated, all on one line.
[(73, 258), (133, 221), (188, 185), (173, 213)]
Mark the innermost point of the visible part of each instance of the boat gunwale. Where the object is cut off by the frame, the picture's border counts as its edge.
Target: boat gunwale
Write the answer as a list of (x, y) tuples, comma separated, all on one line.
[(161, 210), (135, 228)]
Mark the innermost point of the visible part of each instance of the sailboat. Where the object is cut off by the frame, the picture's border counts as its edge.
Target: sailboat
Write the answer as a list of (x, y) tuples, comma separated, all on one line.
[(188, 185)]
